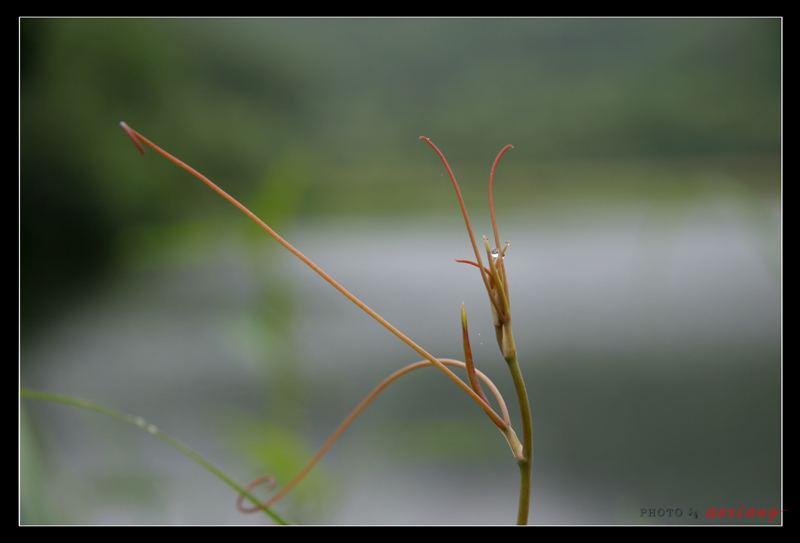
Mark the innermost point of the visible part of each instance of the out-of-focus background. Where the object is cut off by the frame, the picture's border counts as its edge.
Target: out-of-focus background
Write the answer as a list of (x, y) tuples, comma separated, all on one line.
[(643, 204)]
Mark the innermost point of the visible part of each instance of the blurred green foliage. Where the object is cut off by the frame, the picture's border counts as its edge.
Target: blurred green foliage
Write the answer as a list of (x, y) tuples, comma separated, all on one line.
[(345, 100)]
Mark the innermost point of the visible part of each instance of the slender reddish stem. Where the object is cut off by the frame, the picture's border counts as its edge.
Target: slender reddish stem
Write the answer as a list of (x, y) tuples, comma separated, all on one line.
[(491, 193), (405, 339), (343, 426), (466, 219)]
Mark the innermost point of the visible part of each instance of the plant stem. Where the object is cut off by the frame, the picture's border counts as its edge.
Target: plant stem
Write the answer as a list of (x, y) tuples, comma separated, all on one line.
[(525, 463), (506, 429), (497, 287), (138, 139), (149, 428)]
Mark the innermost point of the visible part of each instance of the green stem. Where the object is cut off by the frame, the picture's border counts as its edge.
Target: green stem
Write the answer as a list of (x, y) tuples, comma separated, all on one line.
[(525, 463), (149, 428)]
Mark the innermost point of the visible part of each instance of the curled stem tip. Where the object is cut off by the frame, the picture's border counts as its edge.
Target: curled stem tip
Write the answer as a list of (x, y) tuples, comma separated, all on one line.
[(491, 193), (270, 482), (458, 193), (133, 135)]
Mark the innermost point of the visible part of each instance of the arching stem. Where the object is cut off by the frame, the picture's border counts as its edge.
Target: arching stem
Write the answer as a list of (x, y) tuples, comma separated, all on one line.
[(513, 442)]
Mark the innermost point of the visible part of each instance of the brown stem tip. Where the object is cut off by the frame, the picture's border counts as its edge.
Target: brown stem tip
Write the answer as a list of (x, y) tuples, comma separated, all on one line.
[(132, 135)]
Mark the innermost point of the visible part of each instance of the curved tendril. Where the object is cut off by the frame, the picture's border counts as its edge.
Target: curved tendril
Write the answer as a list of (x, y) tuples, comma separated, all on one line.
[(350, 418), (270, 480), (491, 193), (136, 137), (466, 218)]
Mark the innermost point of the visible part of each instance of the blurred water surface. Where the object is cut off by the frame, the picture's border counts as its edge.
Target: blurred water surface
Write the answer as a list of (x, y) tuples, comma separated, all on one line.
[(650, 344)]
